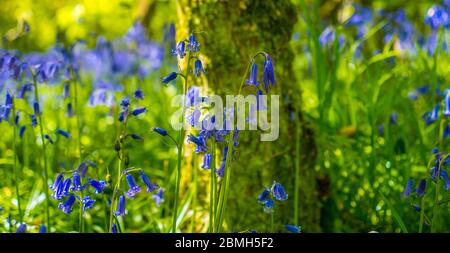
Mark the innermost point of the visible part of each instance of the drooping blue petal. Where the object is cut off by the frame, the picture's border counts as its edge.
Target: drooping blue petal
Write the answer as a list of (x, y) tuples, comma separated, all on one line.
[(408, 188), (278, 192), (121, 206), (206, 161), (293, 228), (150, 186), (63, 133), (160, 131), (420, 191), (67, 206), (253, 80), (134, 188)]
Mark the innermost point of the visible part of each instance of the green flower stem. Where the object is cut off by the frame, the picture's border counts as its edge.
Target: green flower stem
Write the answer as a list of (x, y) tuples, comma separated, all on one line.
[(180, 149), (226, 180), (122, 132), (16, 178), (44, 156), (212, 206)]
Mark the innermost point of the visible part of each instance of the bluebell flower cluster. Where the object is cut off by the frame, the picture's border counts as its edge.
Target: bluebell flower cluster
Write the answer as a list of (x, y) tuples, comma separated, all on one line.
[(268, 77), (134, 188), (70, 189), (438, 171), (268, 197), (126, 111)]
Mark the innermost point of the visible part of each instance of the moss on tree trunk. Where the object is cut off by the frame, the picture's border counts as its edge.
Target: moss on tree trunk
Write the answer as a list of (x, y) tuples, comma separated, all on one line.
[(234, 31)]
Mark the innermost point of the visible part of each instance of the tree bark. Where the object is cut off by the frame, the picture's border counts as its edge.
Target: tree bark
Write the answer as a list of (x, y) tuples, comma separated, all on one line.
[(233, 32)]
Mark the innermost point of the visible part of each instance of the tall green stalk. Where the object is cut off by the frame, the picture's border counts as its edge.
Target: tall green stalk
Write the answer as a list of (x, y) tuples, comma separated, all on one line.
[(297, 172), (77, 114), (180, 148), (212, 206), (226, 180), (44, 156), (16, 178), (121, 133)]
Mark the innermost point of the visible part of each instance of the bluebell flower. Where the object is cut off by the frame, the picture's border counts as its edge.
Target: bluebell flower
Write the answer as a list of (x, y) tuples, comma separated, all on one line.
[(58, 180), (268, 205), (7, 105), (260, 103), (66, 186), (393, 118), (63, 133), (193, 119), (180, 50), (193, 96), (416, 208), (199, 142), (136, 137), (67, 206), (420, 191), (198, 68), (82, 169), (206, 161), (42, 229), (434, 151), (37, 111), (23, 89), (381, 129), (193, 45), (446, 178), (221, 171), (69, 110), (16, 119), (134, 188), (88, 203), (66, 90), (446, 111), (413, 95), (293, 228), (361, 16), (160, 131), (268, 73), (22, 228), (97, 185), (278, 192), (77, 182), (114, 228), (125, 103), (172, 76), (264, 196), (253, 80), (121, 206), (431, 117), (437, 17), (159, 197), (139, 111), (150, 186), (434, 172), (33, 120), (122, 116), (423, 89), (46, 136), (235, 137), (446, 132), (138, 94), (21, 131), (408, 188), (328, 36)]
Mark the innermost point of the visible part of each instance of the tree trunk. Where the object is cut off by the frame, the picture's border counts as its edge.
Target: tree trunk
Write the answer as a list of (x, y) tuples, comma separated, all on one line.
[(233, 32)]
